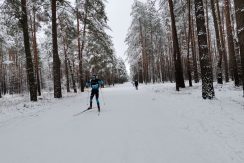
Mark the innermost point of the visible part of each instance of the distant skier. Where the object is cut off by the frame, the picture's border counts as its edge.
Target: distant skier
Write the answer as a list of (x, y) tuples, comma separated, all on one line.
[(102, 83), (136, 84), (95, 84)]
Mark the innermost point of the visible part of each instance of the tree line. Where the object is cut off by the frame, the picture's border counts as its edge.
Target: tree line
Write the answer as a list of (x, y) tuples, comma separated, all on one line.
[(171, 40), (55, 45)]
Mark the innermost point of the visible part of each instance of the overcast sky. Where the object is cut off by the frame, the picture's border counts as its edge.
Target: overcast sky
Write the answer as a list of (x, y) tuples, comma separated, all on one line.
[(118, 12)]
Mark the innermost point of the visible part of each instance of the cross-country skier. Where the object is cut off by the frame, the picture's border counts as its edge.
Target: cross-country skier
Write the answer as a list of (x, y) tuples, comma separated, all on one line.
[(95, 84), (136, 84)]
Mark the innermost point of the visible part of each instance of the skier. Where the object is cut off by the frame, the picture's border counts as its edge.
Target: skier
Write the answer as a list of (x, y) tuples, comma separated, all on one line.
[(136, 84), (102, 83), (95, 84)]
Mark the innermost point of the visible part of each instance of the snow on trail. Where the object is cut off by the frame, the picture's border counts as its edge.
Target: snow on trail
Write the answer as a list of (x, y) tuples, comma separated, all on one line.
[(152, 125)]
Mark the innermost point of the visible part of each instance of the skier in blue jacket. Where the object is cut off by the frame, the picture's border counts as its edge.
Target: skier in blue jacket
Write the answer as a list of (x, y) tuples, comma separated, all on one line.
[(95, 85)]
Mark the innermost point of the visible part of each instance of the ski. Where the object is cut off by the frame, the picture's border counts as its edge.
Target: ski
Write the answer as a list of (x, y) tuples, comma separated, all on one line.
[(83, 111)]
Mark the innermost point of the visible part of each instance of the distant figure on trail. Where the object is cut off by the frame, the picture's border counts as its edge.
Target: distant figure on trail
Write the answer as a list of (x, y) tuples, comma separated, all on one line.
[(136, 84), (102, 83), (95, 85)]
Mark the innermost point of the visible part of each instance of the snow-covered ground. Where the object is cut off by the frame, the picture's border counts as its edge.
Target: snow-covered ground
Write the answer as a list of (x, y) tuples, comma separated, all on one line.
[(155, 124)]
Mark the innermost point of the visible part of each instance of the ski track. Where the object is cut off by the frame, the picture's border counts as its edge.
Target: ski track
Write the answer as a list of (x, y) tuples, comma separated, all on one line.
[(155, 124)]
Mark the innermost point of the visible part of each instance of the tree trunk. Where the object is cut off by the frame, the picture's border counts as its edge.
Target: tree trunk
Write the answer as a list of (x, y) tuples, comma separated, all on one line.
[(56, 60), (188, 44), (29, 63), (36, 54), (142, 42), (162, 68), (220, 48), (72, 76), (208, 31), (226, 67), (206, 68), (1, 68), (176, 51), (232, 55), (81, 46), (66, 65), (4, 87), (147, 62), (194, 57), (239, 6), (152, 72)]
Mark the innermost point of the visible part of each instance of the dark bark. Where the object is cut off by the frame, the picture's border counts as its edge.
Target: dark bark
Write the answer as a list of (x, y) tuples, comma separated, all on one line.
[(4, 87), (151, 56), (219, 45), (140, 75), (188, 45), (162, 68), (81, 45), (146, 69), (239, 6), (1, 69), (176, 51), (230, 40), (206, 68), (142, 43), (194, 57), (29, 63), (72, 76), (56, 60), (208, 31), (36, 59), (66, 65), (221, 29)]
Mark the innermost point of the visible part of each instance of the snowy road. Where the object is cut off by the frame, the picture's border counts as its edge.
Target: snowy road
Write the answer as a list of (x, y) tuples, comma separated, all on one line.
[(152, 125)]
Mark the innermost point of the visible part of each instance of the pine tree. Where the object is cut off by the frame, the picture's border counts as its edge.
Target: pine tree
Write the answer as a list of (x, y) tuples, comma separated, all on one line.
[(219, 45), (1, 67), (232, 55), (176, 51), (80, 45), (189, 71), (239, 7), (67, 35), (206, 68), (194, 53), (222, 40), (56, 60), (36, 56), (29, 63)]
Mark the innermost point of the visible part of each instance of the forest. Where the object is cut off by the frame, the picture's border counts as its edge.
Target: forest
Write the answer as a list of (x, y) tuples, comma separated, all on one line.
[(187, 41), (55, 45)]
